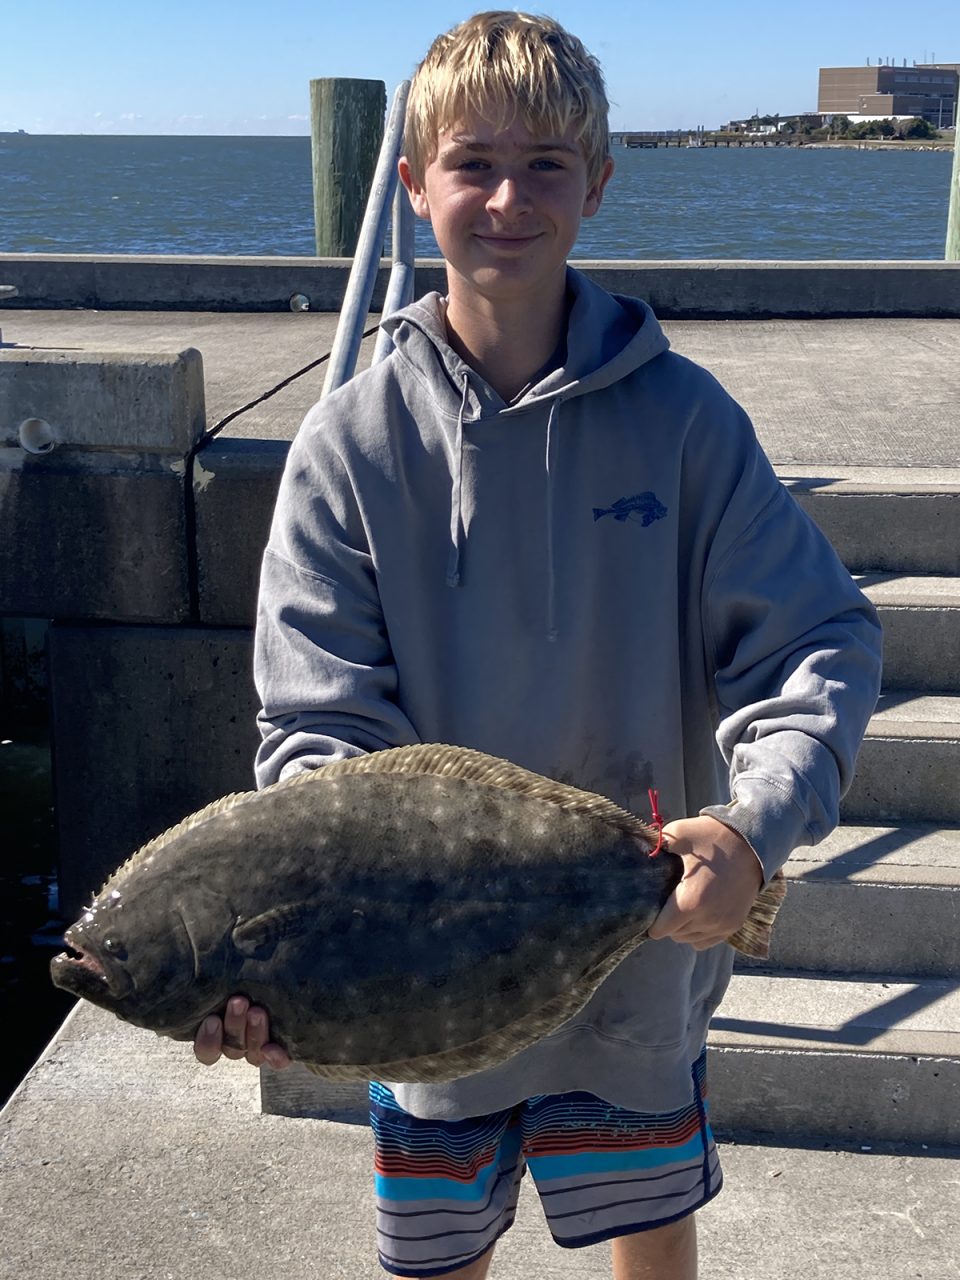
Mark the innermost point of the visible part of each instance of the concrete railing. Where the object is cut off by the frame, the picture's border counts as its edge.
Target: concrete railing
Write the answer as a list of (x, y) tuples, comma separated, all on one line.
[(728, 290)]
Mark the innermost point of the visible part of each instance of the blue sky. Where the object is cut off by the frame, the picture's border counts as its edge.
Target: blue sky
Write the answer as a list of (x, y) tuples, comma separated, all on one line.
[(212, 67)]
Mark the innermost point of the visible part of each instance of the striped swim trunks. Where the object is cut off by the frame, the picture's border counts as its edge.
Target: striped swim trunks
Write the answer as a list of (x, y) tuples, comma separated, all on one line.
[(446, 1190)]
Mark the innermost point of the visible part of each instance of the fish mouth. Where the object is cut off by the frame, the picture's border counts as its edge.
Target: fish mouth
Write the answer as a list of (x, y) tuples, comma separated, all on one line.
[(82, 972)]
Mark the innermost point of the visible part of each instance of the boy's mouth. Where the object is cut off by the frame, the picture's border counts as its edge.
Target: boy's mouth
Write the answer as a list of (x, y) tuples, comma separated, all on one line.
[(506, 242)]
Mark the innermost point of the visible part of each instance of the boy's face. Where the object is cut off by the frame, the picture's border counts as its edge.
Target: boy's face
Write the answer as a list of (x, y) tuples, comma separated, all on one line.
[(505, 206)]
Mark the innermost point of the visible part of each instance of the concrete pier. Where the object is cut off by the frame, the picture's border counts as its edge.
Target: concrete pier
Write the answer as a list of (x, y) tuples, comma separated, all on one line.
[(850, 373)]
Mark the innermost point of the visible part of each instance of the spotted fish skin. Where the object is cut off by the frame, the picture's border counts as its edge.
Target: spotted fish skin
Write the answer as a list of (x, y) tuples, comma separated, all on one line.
[(414, 923), (413, 915)]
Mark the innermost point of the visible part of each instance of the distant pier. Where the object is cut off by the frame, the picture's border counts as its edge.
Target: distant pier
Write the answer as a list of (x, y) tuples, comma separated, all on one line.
[(690, 138)]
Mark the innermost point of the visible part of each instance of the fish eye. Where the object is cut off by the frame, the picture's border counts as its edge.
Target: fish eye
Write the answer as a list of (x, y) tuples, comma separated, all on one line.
[(115, 947)]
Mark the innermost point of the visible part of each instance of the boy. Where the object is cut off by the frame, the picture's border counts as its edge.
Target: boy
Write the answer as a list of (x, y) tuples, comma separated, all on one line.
[(535, 531)]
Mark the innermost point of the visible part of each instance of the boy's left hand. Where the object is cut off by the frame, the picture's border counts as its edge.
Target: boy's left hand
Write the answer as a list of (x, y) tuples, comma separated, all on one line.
[(721, 878)]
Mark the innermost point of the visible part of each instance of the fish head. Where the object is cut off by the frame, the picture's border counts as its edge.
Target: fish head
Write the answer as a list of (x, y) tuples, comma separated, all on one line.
[(151, 959)]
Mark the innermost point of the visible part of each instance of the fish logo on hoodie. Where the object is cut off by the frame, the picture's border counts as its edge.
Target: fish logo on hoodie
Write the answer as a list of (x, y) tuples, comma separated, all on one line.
[(642, 507)]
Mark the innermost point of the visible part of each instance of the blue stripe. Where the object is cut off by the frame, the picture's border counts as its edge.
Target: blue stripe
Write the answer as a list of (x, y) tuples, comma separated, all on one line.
[(572, 1166)]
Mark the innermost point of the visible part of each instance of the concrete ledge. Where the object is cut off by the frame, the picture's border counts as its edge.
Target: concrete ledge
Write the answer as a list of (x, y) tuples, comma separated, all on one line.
[(921, 629), (864, 1060), (149, 724), (896, 891), (151, 402), (93, 449), (883, 528), (93, 536), (725, 290), (909, 763), (234, 490), (676, 290)]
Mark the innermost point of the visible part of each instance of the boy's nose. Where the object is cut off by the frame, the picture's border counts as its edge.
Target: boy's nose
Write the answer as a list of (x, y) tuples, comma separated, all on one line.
[(509, 196)]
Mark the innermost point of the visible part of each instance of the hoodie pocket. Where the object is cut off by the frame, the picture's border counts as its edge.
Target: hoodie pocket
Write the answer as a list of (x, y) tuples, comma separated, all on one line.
[(646, 1000)]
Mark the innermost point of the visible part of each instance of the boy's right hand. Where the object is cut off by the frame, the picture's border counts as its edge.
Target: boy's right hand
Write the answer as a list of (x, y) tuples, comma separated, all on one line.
[(244, 1032)]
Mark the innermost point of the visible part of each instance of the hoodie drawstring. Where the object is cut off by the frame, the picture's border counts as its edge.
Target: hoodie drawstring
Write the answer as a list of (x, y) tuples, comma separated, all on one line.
[(456, 511), (456, 496), (551, 570)]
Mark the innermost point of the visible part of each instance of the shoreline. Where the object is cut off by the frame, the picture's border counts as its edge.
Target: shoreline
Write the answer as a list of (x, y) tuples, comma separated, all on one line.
[(878, 144), (732, 143)]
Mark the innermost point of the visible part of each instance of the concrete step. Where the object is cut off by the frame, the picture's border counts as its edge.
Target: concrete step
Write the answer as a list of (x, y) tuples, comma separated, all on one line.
[(857, 1061), (884, 519), (921, 629), (909, 766), (872, 900)]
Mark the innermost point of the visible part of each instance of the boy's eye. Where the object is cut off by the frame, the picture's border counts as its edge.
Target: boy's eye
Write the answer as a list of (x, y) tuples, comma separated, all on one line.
[(546, 163)]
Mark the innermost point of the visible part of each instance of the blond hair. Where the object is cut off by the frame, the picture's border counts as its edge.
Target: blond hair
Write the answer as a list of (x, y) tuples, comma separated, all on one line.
[(503, 66)]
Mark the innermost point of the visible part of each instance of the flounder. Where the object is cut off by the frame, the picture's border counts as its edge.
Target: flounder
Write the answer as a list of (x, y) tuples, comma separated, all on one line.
[(416, 914)]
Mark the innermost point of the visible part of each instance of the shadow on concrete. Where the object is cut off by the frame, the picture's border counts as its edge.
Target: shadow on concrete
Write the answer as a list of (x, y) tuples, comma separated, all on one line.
[(861, 1030), (870, 853)]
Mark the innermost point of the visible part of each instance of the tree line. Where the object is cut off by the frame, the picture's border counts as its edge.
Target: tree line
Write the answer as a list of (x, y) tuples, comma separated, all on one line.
[(843, 127)]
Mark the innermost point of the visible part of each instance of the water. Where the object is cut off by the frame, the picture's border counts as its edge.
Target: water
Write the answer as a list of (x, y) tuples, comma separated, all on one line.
[(30, 927), (79, 194)]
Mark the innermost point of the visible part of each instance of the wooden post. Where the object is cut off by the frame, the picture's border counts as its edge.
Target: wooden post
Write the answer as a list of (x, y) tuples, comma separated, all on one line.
[(346, 122), (953, 217)]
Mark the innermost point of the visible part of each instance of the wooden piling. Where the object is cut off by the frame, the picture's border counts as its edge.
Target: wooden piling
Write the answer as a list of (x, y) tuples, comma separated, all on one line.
[(953, 217), (346, 124)]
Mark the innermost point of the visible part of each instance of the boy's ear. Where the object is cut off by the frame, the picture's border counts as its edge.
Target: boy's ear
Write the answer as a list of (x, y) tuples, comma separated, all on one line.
[(594, 196), (418, 196)]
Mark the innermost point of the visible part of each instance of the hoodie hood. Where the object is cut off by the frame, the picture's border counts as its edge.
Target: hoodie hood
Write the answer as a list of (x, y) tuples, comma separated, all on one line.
[(608, 337)]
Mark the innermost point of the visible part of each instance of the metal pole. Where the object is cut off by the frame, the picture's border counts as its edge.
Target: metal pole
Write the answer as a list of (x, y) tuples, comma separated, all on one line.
[(400, 287), (953, 217), (366, 261)]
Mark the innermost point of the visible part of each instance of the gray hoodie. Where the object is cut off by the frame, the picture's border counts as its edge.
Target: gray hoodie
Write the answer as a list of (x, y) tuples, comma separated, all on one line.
[(603, 581)]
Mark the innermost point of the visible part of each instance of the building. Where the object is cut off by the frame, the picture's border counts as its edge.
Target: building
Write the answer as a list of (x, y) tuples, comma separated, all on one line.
[(887, 91)]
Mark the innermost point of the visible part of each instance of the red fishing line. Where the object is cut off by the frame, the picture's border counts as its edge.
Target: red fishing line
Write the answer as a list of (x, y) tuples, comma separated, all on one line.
[(656, 819)]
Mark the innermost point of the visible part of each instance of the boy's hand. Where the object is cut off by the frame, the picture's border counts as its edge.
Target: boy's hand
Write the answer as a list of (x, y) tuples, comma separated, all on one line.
[(243, 1033), (721, 878)]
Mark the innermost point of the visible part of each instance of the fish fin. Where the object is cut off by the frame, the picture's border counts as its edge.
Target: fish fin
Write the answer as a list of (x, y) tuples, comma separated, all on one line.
[(167, 837), (258, 937), (474, 766), (753, 936)]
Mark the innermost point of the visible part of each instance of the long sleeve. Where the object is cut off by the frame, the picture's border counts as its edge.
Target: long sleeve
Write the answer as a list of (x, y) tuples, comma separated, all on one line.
[(322, 660), (795, 648)]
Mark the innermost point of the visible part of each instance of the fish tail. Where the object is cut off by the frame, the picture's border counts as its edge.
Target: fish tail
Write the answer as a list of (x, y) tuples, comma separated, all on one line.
[(753, 936), (601, 511)]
